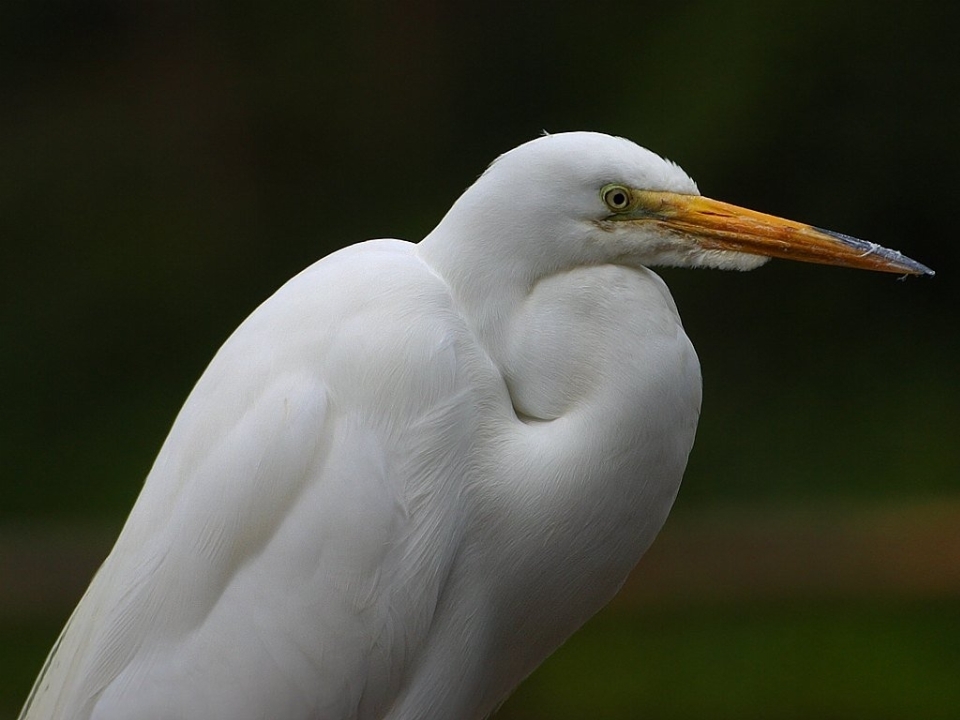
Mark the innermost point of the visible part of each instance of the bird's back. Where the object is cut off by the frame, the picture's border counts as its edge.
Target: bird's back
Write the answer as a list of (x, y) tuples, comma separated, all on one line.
[(291, 540)]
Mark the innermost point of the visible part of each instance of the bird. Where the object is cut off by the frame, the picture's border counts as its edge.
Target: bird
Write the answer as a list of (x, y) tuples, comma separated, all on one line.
[(417, 468)]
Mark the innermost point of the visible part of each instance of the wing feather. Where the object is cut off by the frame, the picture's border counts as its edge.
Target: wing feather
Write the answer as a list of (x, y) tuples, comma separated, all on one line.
[(287, 551)]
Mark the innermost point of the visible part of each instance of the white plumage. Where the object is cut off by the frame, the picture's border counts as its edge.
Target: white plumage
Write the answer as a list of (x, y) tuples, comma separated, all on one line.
[(410, 474)]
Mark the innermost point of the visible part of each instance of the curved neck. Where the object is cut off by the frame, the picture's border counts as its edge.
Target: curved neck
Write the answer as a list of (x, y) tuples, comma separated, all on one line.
[(485, 286)]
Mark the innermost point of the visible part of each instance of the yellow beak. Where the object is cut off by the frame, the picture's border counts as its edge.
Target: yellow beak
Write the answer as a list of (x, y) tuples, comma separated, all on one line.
[(718, 225)]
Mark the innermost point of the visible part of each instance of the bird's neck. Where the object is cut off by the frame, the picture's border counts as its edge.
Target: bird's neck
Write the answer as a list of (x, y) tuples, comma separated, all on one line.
[(486, 287)]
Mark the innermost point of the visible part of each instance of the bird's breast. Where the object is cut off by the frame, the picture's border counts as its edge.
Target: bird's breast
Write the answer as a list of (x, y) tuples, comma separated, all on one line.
[(606, 386)]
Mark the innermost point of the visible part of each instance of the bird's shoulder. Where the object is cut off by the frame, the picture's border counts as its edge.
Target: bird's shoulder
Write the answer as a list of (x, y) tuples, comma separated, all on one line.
[(371, 302)]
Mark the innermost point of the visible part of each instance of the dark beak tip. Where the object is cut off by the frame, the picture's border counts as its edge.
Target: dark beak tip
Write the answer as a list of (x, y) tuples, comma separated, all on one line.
[(897, 261)]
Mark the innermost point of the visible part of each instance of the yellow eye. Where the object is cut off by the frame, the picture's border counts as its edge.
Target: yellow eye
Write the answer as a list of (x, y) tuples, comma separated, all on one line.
[(616, 197)]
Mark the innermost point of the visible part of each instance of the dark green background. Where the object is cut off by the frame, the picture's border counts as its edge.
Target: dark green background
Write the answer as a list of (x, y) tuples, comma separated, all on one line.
[(164, 166)]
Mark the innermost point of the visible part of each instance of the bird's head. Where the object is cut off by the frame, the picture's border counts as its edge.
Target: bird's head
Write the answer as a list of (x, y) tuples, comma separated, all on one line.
[(587, 198)]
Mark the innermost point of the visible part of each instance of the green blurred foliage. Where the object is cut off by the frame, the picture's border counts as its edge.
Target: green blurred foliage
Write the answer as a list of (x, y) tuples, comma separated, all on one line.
[(785, 662), (167, 164)]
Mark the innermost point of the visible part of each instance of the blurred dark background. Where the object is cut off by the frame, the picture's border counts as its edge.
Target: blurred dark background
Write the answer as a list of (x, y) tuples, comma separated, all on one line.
[(164, 166)]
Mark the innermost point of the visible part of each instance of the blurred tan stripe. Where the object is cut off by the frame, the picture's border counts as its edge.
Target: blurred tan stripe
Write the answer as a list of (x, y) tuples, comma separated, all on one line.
[(898, 551), (44, 567), (709, 555)]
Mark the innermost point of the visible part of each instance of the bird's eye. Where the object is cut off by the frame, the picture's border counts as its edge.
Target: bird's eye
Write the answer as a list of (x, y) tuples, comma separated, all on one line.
[(616, 197)]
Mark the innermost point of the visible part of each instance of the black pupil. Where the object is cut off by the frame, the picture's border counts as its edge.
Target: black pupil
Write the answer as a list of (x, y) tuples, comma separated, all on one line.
[(619, 199)]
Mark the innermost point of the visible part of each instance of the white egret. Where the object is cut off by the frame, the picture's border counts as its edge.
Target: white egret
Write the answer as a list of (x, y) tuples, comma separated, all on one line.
[(417, 468)]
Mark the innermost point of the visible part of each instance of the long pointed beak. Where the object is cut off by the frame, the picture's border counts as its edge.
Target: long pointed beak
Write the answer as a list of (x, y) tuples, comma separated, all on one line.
[(718, 225)]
